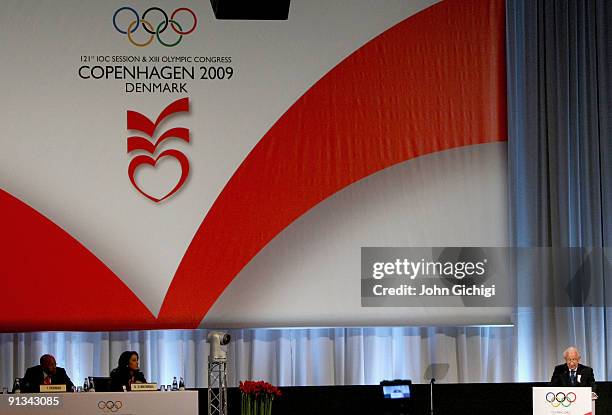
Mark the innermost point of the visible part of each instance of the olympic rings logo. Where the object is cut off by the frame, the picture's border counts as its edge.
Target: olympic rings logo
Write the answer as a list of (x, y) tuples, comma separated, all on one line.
[(152, 27), (560, 399), (110, 406)]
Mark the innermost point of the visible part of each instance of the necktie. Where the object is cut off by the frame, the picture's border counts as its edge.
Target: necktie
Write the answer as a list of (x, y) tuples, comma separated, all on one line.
[(573, 377), (47, 380)]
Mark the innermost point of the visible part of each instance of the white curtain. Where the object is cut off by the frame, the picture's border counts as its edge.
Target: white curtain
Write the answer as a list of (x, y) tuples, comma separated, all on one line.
[(560, 170), (336, 356)]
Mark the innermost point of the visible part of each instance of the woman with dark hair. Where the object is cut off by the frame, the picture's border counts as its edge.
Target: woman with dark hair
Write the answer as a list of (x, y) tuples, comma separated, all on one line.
[(127, 372)]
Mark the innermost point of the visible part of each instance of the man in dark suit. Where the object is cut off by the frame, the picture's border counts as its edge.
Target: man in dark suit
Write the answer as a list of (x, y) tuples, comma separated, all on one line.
[(572, 373), (47, 373)]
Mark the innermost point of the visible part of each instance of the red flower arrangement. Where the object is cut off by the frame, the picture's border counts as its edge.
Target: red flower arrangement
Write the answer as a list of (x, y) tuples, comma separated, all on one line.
[(257, 397)]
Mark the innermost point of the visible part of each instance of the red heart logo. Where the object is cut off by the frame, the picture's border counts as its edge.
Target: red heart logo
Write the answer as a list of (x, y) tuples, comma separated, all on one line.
[(143, 159)]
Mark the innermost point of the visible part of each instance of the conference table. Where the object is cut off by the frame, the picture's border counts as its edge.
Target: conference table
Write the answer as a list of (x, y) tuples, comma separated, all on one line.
[(98, 403)]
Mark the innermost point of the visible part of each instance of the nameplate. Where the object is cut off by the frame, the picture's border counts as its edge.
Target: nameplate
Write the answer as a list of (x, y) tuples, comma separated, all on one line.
[(139, 387), (52, 388)]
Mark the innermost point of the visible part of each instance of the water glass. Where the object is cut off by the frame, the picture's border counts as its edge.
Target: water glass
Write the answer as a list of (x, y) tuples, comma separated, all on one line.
[(4, 391)]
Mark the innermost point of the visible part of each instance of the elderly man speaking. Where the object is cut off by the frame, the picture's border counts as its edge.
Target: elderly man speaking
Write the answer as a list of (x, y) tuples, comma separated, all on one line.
[(572, 373)]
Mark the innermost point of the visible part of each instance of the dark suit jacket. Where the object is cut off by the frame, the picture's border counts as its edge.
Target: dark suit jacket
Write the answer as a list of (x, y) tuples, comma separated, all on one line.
[(34, 377), (121, 377), (561, 376)]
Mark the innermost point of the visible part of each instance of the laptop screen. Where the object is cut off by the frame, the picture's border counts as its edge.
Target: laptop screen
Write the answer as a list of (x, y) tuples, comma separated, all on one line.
[(396, 391)]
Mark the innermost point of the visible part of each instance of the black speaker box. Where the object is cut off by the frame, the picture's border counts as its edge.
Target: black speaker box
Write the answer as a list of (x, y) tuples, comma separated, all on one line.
[(251, 9)]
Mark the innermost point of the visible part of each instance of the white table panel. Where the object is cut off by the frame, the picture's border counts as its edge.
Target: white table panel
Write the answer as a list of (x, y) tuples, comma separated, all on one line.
[(100, 403)]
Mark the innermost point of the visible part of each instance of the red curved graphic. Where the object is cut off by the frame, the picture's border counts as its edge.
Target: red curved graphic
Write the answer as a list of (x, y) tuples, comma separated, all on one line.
[(435, 81), (52, 282)]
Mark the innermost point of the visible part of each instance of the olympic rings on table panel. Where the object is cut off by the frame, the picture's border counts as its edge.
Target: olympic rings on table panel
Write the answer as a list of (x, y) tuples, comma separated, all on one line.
[(560, 399), (154, 30), (112, 406)]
